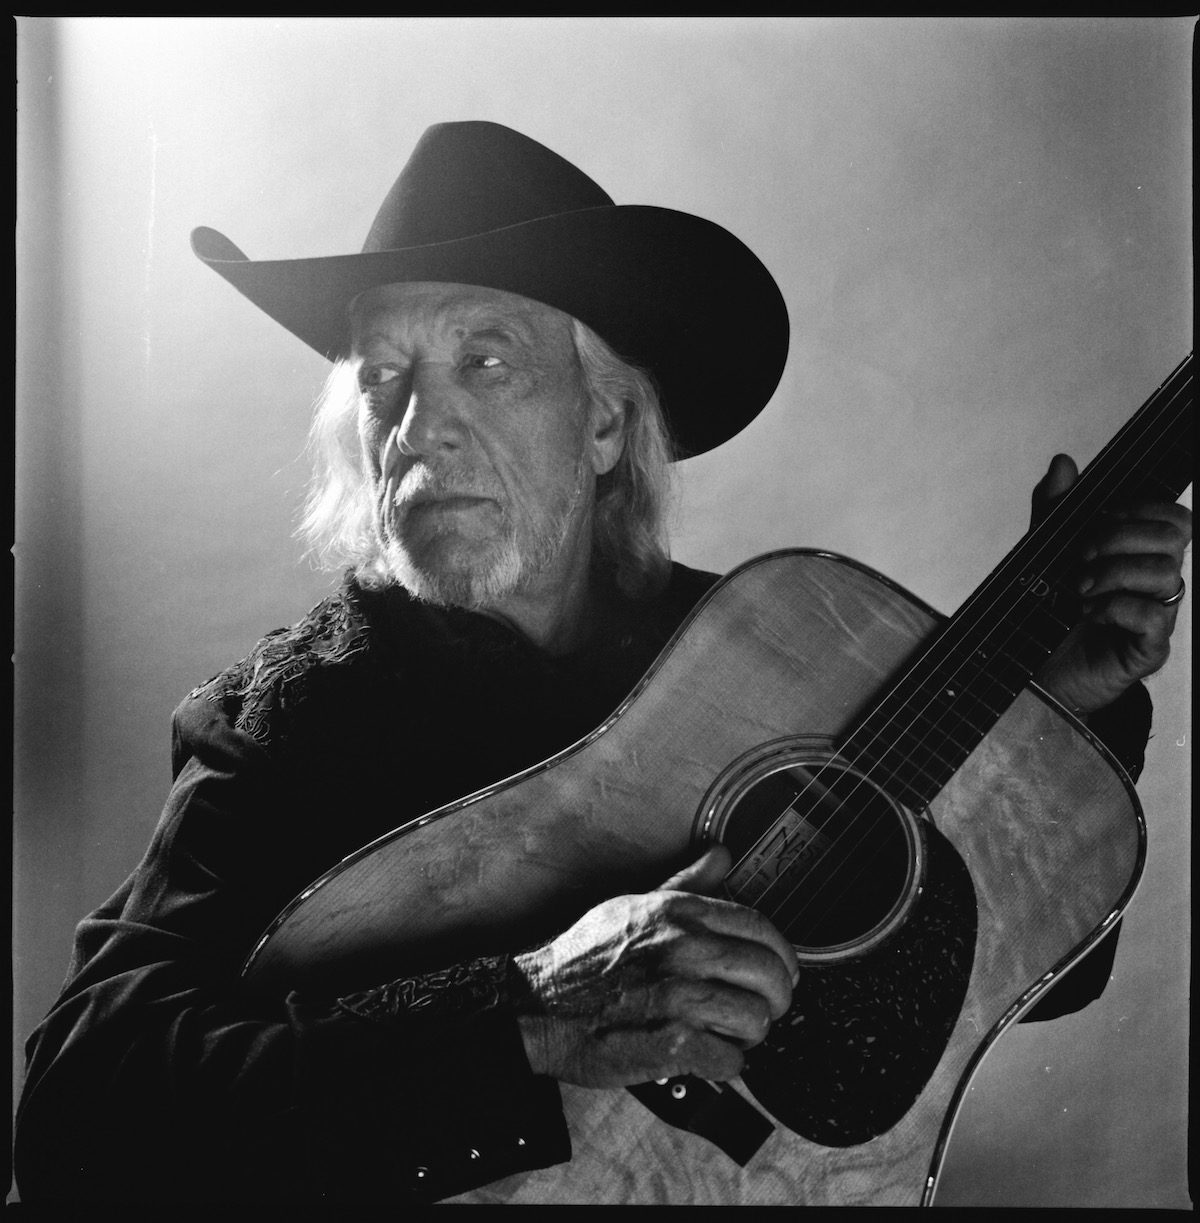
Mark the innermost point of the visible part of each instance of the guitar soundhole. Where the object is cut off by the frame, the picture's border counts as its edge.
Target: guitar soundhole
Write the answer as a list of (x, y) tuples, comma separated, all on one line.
[(822, 852)]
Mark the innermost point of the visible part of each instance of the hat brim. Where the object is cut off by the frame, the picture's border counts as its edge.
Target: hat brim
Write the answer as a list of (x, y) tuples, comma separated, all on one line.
[(670, 292)]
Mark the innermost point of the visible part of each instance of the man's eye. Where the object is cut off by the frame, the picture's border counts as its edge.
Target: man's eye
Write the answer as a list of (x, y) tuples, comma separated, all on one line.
[(480, 360), (377, 375)]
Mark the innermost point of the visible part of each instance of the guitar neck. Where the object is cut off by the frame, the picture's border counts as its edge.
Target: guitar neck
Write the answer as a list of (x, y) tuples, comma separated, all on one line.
[(952, 694)]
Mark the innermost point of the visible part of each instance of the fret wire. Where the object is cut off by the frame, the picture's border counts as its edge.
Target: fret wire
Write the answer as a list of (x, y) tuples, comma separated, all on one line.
[(953, 708), (918, 751), (920, 757), (915, 742), (996, 670), (994, 684), (973, 696)]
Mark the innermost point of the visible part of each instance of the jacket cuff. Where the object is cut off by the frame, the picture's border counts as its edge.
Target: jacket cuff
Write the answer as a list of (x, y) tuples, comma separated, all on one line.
[(1124, 727), (459, 1051)]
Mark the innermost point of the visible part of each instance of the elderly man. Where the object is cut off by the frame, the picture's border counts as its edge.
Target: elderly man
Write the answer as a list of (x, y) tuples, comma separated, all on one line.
[(491, 460)]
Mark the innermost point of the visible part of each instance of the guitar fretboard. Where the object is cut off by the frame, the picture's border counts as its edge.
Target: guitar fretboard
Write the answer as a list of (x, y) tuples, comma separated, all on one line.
[(955, 691)]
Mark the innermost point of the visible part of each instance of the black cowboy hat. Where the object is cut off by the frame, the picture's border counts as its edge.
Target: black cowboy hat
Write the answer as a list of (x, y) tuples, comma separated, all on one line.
[(480, 204)]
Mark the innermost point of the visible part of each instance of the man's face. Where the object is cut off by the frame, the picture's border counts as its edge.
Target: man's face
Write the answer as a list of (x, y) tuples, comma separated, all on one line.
[(475, 428)]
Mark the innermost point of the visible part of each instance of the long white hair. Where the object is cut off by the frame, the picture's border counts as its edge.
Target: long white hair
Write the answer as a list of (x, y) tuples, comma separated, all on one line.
[(632, 500)]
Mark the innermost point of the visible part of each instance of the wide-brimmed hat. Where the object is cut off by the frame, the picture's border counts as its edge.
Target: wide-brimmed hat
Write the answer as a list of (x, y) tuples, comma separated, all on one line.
[(480, 204)]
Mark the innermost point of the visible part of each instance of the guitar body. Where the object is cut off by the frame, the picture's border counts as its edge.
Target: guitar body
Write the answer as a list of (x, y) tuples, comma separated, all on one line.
[(1018, 866)]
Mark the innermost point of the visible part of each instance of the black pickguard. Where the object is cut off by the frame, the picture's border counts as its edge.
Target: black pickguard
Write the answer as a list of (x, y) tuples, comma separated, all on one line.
[(864, 1036)]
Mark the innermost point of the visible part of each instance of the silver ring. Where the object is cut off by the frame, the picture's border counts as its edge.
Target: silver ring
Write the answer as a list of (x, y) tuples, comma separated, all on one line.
[(1177, 597)]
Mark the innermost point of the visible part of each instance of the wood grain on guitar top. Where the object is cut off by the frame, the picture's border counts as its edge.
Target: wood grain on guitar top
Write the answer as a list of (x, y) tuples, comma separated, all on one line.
[(791, 644)]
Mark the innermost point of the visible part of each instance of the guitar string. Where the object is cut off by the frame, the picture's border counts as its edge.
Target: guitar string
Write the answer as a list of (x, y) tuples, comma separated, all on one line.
[(1062, 624), (1067, 519), (907, 760), (1031, 610)]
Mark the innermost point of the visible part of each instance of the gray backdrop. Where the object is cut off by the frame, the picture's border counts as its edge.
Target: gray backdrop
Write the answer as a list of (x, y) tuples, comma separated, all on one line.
[(981, 228)]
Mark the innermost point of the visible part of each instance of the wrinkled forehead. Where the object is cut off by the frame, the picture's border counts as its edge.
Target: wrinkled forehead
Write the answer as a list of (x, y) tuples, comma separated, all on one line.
[(403, 313)]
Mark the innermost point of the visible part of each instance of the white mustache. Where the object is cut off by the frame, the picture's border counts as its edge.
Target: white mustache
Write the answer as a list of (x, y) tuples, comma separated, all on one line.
[(424, 482)]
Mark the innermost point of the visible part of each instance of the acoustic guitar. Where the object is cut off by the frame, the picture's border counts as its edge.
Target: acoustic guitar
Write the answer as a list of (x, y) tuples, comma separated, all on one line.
[(939, 839)]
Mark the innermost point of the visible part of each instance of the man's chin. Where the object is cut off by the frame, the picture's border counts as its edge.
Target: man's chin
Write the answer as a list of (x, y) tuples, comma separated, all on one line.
[(471, 581)]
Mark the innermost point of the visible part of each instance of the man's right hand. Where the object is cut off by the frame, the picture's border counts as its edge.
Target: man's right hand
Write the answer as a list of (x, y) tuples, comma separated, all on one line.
[(650, 986)]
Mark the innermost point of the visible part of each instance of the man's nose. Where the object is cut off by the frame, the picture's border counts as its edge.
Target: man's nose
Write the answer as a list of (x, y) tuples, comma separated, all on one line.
[(434, 417)]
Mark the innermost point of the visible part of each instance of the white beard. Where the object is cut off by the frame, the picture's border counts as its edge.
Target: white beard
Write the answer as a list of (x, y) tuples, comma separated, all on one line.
[(513, 566), (474, 589)]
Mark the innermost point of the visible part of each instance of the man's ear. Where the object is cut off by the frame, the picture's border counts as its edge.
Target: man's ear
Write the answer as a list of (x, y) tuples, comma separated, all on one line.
[(607, 433)]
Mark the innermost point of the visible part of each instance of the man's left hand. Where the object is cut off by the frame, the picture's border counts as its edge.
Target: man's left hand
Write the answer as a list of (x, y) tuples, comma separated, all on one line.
[(1131, 563)]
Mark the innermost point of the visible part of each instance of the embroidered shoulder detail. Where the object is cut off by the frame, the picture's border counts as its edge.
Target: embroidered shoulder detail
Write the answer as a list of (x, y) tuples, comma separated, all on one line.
[(262, 692)]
